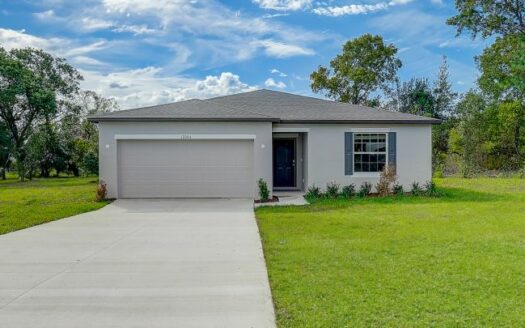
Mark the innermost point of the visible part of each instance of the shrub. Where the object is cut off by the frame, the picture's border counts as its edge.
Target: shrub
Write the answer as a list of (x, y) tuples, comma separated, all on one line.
[(365, 189), (332, 190), (521, 172), (386, 180), (397, 189), (102, 191), (90, 163), (313, 192), (348, 191), (430, 188), (416, 189), (438, 173), (264, 193)]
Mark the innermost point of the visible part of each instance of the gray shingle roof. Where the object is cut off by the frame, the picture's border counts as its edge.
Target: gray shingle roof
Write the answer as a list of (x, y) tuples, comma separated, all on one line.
[(264, 105)]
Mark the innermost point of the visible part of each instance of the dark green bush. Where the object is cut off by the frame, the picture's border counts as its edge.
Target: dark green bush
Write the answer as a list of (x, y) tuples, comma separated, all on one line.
[(264, 193), (397, 189), (364, 190), (416, 189), (313, 192), (430, 188), (348, 191), (332, 190), (90, 163)]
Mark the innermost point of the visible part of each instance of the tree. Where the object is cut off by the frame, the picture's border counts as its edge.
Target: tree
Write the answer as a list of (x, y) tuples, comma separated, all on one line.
[(5, 147), (444, 108), (502, 69), (490, 17), (471, 139), (415, 97), (365, 66), (45, 151), (81, 136), (32, 86), (444, 97), (503, 80)]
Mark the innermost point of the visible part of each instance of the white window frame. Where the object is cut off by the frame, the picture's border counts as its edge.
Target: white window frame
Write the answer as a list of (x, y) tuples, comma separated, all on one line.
[(354, 153)]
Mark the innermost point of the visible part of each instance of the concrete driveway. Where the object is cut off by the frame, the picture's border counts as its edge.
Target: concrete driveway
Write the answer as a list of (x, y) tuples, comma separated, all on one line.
[(138, 263)]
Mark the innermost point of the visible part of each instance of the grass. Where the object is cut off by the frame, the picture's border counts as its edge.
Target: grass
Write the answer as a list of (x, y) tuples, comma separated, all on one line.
[(25, 204), (457, 260)]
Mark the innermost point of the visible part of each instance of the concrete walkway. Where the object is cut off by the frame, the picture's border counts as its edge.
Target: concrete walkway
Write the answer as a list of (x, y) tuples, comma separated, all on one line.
[(138, 263)]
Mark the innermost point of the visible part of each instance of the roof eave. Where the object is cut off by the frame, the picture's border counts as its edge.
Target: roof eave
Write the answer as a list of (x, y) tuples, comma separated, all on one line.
[(95, 119), (422, 121)]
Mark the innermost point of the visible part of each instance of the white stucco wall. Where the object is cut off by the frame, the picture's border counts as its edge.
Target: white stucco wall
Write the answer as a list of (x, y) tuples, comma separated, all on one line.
[(325, 153), (108, 143)]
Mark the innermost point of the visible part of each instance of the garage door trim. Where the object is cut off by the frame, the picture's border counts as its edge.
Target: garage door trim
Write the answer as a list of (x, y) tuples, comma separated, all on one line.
[(247, 194), (188, 136)]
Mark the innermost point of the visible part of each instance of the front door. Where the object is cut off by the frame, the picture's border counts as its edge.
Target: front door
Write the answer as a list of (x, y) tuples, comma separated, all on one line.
[(284, 163)]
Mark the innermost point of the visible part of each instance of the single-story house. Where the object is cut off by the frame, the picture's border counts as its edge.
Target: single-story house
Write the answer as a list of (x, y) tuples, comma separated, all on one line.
[(220, 147)]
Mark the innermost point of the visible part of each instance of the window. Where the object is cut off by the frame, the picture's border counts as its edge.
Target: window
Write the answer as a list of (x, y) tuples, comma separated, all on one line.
[(369, 152)]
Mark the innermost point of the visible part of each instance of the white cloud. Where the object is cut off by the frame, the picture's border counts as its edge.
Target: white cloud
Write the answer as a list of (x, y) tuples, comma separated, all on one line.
[(275, 15), (208, 27), (86, 61), (45, 15), (135, 29), (357, 9), (427, 29), (150, 86), (278, 72), (283, 4), (89, 24), (132, 87), (62, 47), (437, 2), (282, 50), (226, 83), (271, 83), (10, 39)]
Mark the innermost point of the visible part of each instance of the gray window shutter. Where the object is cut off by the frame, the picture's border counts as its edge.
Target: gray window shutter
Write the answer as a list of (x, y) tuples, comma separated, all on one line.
[(392, 153), (349, 153)]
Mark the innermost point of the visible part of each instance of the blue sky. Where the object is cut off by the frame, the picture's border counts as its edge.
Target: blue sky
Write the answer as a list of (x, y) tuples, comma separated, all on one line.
[(144, 52)]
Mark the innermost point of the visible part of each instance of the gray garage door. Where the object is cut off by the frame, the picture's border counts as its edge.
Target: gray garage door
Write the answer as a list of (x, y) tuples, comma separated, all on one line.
[(185, 168)]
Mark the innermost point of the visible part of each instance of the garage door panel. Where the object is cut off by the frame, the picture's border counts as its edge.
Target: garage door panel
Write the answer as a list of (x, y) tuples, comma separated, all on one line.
[(189, 173), (188, 152), (196, 168)]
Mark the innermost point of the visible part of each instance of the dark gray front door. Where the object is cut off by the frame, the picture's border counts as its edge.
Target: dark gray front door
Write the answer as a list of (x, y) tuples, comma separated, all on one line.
[(284, 163)]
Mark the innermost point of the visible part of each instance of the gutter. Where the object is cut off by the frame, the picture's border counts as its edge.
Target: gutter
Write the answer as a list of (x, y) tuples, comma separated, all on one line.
[(96, 119)]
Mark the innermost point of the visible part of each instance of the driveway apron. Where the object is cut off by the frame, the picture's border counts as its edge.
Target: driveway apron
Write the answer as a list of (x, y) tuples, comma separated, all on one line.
[(139, 263)]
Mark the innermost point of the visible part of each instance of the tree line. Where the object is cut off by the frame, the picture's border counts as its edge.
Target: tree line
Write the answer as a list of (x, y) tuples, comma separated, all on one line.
[(43, 125), (44, 130), (482, 129)]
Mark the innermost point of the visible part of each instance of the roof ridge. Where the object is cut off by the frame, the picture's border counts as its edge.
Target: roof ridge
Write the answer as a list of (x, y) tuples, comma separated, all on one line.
[(234, 94)]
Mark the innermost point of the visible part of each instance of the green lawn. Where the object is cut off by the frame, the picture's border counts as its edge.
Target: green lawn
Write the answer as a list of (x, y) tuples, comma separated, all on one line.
[(25, 204), (457, 260)]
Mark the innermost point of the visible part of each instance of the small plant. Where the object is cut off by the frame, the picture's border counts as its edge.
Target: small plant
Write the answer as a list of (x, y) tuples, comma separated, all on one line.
[(332, 190), (313, 192), (521, 172), (365, 189), (416, 189), (102, 191), (397, 189), (386, 180), (348, 191), (264, 193), (430, 188)]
